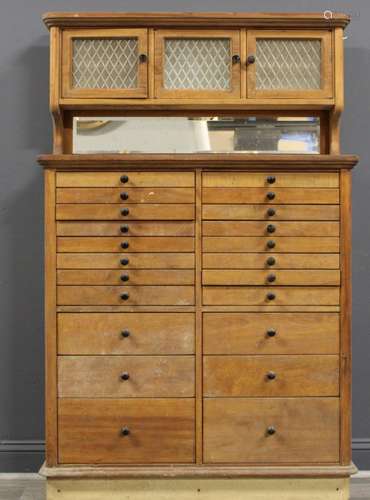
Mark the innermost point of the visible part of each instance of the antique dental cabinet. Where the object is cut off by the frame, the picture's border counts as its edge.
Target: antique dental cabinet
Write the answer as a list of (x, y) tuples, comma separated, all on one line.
[(197, 258)]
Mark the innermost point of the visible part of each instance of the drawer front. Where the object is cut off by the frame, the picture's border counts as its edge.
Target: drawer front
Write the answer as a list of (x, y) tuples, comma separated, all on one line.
[(252, 228), (147, 376), (126, 333), (125, 295), (125, 179), (120, 212), (273, 180), (271, 278), (272, 261), (160, 431), (270, 195), (237, 430), (274, 244), (271, 333), (129, 277), (125, 261), (276, 212), (271, 376), (279, 296), (131, 244), (125, 195), (122, 229)]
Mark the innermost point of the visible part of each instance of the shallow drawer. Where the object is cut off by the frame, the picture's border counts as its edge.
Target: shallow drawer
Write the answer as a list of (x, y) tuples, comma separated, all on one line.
[(125, 376), (278, 296), (270, 376), (271, 431), (152, 228), (129, 195), (272, 180), (160, 431), (125, 261), (272, 261), (125, 295), (270, 333), (124, 179), (127, 333), (275, 212), (270, 195), (129, 277), (324, 244), (259, 228), (131, 244), (272, 278), (121, 212)]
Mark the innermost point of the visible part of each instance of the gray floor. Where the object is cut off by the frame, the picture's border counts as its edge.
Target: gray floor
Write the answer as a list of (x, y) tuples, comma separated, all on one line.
[(33, 488)]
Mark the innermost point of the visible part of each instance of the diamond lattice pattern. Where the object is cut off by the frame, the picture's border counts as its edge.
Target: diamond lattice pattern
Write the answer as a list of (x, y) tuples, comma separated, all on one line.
[(197, 64), (288, 64), (105, 63)]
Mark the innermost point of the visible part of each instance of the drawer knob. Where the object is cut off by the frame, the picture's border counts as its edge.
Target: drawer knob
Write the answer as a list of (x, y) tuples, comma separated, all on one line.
[(143, 58), (251, 59), (271, 179), (125, 431), (271, 375), (124, 179), (125, 277), (270, 244), (125, 244), (125, 296), (271, 212), (271, 261), (124, 262), (270, 195), (271, 332), (124, 229), (125, 334), (271, 430), (235, 58), (125, 211), (271, 228), (271, 296), (124, 196), (271, 278), (125, 376)]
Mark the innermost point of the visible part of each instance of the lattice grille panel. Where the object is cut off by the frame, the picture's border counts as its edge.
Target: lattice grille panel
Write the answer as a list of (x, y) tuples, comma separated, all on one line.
[(197, 64), (105, 63), (288, 64)]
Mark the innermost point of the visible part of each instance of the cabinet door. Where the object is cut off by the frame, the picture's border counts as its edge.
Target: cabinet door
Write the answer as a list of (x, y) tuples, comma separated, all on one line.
[(295, 64), (197, 64), (105, 63)]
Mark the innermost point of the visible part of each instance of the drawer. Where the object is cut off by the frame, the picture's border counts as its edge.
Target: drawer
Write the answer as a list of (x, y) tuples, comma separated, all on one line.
[(272, 261), (125, 295), (125, 179), (275, 212), (271, 278), (279, 296), (271, 376), (131, 244), (117, 212), (160, 431), (122, 229), (127, 333), (270, 195), (125, 261), (273, 180), (314, 244), (129, 277), (126, 195), (259, 228), (237, 430), (270, 333), (147, 376)]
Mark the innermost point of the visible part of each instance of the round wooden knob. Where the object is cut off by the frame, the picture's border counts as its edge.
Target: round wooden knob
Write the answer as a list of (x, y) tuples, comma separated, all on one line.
[(271, 212), (271, 261), (125, 211), (270, 296), (271, 332), (271, 375), (125, 334), (251, 59), (125, 296), (270, 195), (271, 179), (125, 376), (271, 278), (124, 196), (271, 431), (124, 179), (270, 244), (124, 262), (125, 431), (124, 229), (125, 277)]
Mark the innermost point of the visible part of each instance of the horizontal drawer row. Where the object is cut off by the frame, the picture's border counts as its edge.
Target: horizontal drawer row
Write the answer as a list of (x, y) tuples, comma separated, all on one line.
[(130, 277), (271, 278), (273, 180), (173, 333), (273, 212), (128, 228), (125, 179), (130, 244), (253, 430)]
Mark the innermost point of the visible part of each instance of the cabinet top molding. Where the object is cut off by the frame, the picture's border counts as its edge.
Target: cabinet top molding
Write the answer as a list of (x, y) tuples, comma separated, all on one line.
[(325, 19)]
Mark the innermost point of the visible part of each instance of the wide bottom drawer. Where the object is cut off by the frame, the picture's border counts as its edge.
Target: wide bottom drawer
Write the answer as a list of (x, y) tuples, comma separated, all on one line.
[(119, 431), (271, 431)]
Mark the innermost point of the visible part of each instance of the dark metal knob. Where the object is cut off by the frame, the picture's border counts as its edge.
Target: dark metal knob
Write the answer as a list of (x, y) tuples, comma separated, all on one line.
[(125, 211), (125, 376), (271, 278), (124, 262), (143, 58), (271, 333), (270, 296), (124, 179), (271, 212), (124, 196), (271, 430), (125, 277), (125, 334), (271, 261), (270, 195), (271, 179), (271, 375), (124, 229), (251, 59), (125, 431), (271, 228), (125, 296), (270, 244), (125, 244), (236, 58)]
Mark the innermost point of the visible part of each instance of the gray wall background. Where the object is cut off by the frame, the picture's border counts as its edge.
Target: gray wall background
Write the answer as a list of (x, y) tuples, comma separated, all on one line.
[(26, 132)]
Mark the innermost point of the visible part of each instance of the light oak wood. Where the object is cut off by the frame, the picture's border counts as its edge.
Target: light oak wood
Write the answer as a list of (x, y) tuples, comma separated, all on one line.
[(128, 277), (287, 195), (259, 180), (162, 431), (136, 244), (150, 376), (135, 179), (259, 261), (134, 228), (135, 195), (282, 212), (113, 212), (282, 228)]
